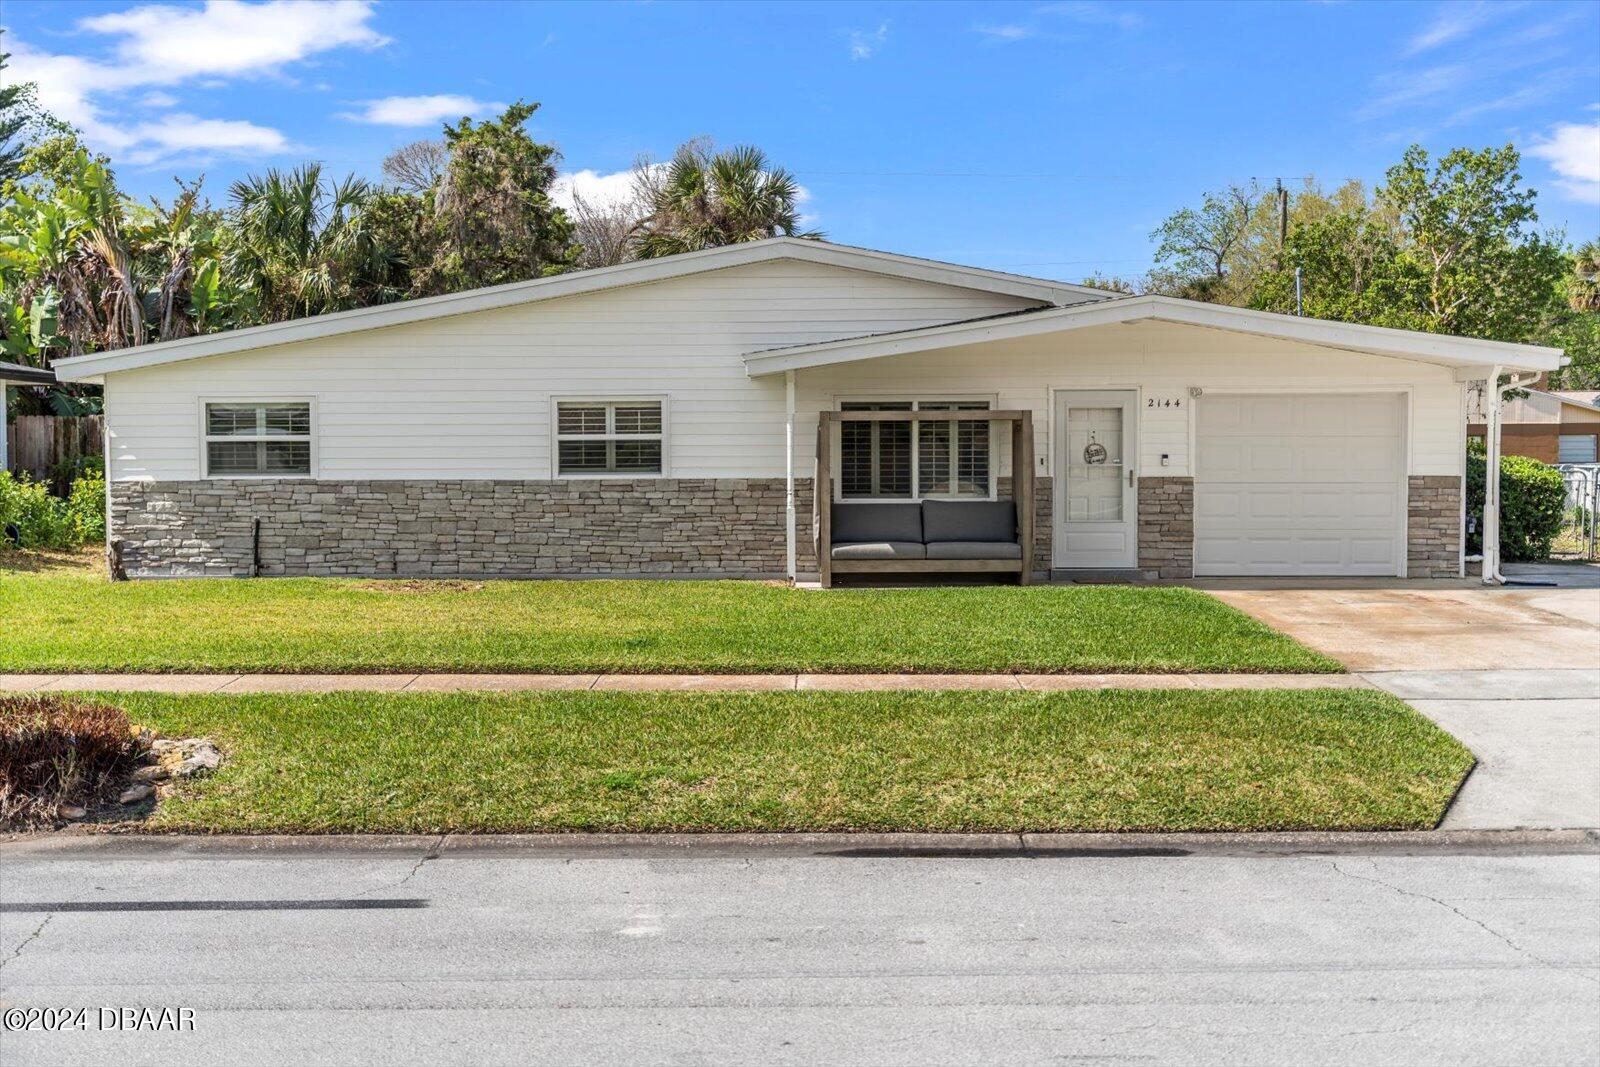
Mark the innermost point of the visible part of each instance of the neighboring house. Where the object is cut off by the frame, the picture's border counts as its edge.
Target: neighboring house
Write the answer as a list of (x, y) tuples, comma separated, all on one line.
[(16, 374), (660, 418), (1554, 426)]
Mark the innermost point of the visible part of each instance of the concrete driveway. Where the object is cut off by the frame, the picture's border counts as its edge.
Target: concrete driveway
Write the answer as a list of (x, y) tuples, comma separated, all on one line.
[(1391, 625), (1514, 672)]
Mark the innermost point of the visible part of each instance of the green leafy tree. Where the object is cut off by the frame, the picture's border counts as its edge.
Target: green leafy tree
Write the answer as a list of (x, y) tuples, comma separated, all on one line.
[(705, 199), (1471, 262), (83, 268), (1449, 248), (1574, 322), (301, 245), (16, 114), (490, 219)]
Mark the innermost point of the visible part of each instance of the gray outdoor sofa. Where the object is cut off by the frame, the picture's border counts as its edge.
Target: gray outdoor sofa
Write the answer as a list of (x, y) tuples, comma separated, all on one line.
[(935, 536)]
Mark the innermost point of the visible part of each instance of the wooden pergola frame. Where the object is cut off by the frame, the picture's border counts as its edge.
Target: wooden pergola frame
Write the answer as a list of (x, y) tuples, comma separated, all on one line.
[(1021, 492)]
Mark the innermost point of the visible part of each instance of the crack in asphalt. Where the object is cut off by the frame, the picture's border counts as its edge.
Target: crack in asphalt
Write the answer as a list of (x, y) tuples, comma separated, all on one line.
[(30, 939), (1479, 923), (429, 853)]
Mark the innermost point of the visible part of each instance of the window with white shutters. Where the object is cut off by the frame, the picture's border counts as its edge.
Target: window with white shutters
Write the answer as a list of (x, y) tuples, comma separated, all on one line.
[(268, 439), (912, 460), (601, 437)]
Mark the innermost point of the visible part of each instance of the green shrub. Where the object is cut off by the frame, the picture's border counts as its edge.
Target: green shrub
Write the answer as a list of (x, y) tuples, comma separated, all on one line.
[(47, 521), (1531, 501)]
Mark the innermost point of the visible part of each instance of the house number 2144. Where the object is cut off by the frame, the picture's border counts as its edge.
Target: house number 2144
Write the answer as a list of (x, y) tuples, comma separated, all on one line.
[(1163, 402)]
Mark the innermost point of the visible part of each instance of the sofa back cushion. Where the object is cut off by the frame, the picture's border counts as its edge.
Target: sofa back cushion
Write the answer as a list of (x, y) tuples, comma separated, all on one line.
[(969, 520), (855, 523)]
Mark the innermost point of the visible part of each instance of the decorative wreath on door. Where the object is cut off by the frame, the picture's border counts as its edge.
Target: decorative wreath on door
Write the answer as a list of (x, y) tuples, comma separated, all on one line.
[(1094, 452)]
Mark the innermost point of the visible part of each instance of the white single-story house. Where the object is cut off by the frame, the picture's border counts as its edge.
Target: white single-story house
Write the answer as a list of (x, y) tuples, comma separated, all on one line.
[(666, 418)]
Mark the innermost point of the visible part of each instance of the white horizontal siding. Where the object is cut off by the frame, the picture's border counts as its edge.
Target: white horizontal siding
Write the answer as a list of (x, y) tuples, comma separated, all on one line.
[(1162, 360), (470, 396)]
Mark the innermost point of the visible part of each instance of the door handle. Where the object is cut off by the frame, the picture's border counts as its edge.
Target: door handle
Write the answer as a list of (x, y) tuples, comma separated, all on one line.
[(1130, 477)]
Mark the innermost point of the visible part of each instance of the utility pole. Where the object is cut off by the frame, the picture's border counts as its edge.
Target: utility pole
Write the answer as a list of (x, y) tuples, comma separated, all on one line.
[(1283, 221)]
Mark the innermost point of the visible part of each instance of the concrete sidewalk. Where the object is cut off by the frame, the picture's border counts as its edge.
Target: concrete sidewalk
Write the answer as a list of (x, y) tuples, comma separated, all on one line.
[(1536, 734), (655, 683)]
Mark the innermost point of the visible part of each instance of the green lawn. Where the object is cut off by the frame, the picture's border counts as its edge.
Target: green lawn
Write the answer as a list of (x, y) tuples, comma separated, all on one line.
[(71, 619), (1093, 760)]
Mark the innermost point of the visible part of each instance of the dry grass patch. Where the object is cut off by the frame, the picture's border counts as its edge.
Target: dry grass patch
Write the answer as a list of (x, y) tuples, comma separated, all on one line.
[(59, 751)]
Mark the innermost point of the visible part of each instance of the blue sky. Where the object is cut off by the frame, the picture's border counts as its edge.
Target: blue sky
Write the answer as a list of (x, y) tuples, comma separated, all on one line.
[(1044, 138)]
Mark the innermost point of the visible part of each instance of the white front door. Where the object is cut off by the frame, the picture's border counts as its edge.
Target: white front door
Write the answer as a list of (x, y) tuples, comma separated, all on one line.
[(1096, 495)]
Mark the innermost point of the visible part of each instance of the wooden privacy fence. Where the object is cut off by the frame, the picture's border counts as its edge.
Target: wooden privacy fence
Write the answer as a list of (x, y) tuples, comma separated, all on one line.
[(46, 446)]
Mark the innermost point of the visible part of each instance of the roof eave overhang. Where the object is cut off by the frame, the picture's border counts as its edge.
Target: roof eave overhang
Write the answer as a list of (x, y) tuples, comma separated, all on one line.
[(1458, 352), (12, 374), (639, 272)]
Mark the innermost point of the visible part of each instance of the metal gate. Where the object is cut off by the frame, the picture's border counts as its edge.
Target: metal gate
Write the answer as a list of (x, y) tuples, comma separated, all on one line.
[(1579, 534)]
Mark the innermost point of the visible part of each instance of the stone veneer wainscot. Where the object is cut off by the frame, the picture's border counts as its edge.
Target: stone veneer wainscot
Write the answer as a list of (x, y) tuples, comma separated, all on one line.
[(660, 527), (1433, 526)]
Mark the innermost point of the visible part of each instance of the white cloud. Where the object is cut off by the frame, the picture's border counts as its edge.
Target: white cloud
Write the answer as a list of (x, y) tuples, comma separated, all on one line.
[(180, 134), (616, 187), (1092, 14), (597, 189), (418, 110), (864, 44), (1007, 32), (1454, 21), (160, 46), (1405, 89), (1573, 151)]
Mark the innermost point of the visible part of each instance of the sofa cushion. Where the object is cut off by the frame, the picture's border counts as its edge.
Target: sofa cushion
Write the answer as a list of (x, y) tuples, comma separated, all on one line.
[(853, 523), (880, 550), (974, 550), (969, 520)]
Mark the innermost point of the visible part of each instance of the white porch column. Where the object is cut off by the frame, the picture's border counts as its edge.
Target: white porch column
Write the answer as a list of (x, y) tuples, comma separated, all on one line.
[(5, 459), (788, 471), (1491, 478)]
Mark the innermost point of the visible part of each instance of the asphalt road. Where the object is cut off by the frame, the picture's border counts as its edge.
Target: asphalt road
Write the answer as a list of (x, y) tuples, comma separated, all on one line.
[(722, 955)]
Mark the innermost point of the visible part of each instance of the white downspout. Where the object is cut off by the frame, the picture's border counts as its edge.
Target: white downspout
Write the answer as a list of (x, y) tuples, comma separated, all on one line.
[(788, 471), (1495, 395)]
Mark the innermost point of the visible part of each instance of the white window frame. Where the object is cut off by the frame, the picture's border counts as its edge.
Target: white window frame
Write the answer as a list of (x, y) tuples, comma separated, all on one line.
[(915, 399), (593, 398), (206, 438)]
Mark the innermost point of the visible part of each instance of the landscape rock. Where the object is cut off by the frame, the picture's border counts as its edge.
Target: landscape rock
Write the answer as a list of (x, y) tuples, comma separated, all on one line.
[(135, 793), (203, 757), (71, 811), (152, 773)]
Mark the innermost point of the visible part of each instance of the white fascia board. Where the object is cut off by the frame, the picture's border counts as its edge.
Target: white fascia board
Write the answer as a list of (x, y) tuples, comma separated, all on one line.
[(1376, 340), (639, 272)]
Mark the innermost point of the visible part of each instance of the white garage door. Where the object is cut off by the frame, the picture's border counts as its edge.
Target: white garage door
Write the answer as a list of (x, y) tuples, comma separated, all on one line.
[(1298, 485)]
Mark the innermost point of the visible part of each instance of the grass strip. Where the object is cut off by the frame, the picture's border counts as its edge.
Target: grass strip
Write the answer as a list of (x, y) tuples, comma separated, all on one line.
[(1093, 760), (72, 621)]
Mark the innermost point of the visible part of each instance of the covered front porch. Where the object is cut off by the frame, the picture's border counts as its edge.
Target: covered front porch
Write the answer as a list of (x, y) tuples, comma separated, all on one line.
[(1135, 439)]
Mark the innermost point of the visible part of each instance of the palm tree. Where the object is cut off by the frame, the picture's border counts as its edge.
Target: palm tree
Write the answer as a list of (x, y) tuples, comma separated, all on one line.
[(704, 199), (301, 247)]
